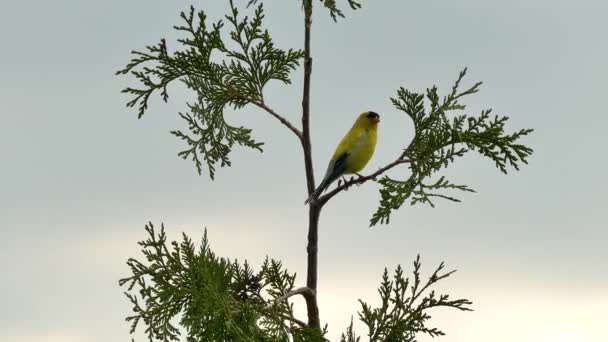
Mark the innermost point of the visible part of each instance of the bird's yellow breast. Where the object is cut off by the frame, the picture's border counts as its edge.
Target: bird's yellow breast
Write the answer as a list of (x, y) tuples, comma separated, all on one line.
[(359, 143)]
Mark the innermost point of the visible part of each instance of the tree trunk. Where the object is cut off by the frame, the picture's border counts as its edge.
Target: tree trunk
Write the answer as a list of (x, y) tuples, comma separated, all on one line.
[(314, 209), (311, 276)]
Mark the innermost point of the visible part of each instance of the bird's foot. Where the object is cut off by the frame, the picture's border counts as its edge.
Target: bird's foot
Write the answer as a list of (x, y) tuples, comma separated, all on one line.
[(344, 182), (361, 177)]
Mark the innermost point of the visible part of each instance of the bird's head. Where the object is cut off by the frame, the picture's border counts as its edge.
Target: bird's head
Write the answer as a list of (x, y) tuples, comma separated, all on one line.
[(368, 120)]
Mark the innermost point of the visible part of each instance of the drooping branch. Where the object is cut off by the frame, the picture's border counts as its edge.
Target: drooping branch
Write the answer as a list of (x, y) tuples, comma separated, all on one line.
[(248, 61)]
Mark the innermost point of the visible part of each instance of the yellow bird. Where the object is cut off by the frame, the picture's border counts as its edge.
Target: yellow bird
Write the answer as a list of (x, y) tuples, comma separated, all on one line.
[(353, 151)]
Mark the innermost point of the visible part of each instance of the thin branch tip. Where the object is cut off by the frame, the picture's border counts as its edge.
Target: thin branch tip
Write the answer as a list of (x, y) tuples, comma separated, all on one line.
[(279, 117), (306, 292)]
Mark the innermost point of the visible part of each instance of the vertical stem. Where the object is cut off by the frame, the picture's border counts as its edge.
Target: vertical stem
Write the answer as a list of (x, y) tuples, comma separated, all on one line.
[(312, 306), (314, 210), (310, 176)]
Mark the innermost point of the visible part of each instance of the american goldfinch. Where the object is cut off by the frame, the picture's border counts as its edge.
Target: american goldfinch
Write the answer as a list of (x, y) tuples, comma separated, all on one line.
[(353, 151)]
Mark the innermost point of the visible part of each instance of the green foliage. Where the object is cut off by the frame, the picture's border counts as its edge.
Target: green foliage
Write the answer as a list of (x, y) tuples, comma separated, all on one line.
[(246, 63), (350, 335), (403, 312), (439, 140), (182, 289), (331, 5), (212, 298), (336, 12), (216, 299)]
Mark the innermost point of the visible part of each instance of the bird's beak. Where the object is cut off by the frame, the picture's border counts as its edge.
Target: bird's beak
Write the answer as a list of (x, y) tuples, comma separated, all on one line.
[(376, 119)]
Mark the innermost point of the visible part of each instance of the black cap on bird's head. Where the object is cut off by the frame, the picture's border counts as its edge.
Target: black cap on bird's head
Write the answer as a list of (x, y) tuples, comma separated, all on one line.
[(373, 116)]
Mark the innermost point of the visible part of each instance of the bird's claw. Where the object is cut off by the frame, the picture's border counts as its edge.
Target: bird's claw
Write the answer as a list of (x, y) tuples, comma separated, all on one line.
[(361, 177)]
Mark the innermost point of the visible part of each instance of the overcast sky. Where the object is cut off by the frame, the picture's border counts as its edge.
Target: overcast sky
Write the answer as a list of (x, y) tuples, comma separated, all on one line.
[(80, 175)]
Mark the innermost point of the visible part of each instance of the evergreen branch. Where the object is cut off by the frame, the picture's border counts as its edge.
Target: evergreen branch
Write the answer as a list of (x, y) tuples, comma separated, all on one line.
[(404, 303), (212, 298), (336, 12), (211, 138), (216, 299), (438, 141), (237, 79), (350, 335)]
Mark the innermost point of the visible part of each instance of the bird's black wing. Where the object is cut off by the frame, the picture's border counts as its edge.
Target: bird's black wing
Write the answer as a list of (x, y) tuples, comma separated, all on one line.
[(338, 168), (334, 172)]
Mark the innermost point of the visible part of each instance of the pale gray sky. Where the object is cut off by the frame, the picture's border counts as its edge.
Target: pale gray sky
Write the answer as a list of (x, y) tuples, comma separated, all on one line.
[(80, 175)]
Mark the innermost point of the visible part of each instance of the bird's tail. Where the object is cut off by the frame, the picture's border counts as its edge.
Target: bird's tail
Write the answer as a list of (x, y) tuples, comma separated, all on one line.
[(315, 194), (319, 190)]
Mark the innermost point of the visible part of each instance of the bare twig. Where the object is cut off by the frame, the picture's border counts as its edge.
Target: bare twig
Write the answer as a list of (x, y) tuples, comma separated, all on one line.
[(279, 117), (360, 180), (306, 292), (296, 321)]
